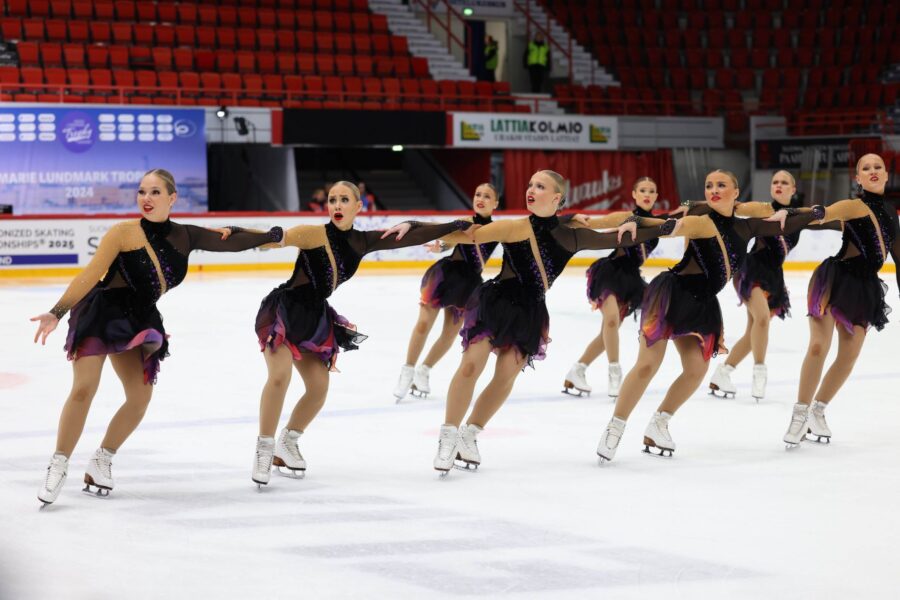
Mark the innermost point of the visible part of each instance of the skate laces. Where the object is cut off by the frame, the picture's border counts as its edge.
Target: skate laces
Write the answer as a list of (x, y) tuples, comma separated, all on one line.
[(55, 471), (263, 459), (799, 419), (445, 442), (104, 464), (292, 446), (662, 425)]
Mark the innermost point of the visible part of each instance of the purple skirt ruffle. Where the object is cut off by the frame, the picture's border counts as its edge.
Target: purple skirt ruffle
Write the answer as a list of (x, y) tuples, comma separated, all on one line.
[(304, 322), (509, 316), (616, 277), (758, 271), (448, 284), (850, 291), (111, 321)]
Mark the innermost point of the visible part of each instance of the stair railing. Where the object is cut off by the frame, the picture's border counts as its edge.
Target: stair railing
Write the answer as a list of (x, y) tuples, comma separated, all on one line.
[(530, 21), (446, 24)]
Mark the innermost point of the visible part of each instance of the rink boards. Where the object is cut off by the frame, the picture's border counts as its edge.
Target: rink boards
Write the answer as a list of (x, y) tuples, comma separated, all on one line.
[(61, 245)]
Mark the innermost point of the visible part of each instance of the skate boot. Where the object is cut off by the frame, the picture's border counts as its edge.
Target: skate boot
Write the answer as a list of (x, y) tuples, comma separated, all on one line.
[(817, 424), (56, 477), (405, 382), (615, 379), (262, 465), (796, 432), (287, 454), (99, 474), (760, 375), (447, 441), (421, 387), (468, 456), (576, 381), (720, 383), (609, 442), (657, 435)]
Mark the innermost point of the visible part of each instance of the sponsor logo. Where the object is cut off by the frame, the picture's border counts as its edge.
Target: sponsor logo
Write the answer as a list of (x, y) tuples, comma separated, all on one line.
[(600, 135), (185, 128), (78, 132), (471, 132)]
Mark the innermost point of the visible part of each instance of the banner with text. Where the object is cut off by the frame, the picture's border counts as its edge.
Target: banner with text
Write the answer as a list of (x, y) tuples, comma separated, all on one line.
[(597, 180), (547, 132), (90, 160)]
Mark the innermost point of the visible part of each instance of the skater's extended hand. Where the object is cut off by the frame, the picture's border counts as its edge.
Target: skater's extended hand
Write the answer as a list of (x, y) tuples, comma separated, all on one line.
[(779, 217), (682, 210), (48, 323), (400, 229), (436, 246), (225, 232), (581, 219), (470, 231), (630, 227)]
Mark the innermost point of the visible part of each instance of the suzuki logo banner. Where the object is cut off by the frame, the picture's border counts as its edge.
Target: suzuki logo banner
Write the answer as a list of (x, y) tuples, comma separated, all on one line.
[(546, 132)]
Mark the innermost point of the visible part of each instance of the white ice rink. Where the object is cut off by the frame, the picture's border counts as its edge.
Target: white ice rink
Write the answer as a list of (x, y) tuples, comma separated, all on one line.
[(732, 515)]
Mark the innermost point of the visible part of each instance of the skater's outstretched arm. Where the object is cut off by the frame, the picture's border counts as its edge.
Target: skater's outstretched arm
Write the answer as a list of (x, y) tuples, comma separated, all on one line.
[(576, 240), (304, 237), (757, 210), (772, 226), (613, 219), (496, 231), (240, 239), (845, 210), (417, 234)]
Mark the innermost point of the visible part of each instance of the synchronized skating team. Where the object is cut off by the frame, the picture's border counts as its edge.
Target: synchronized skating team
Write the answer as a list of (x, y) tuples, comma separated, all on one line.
[(112, 306)]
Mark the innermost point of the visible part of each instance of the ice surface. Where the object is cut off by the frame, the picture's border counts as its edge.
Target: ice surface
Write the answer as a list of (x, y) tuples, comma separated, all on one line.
[(732, 515)]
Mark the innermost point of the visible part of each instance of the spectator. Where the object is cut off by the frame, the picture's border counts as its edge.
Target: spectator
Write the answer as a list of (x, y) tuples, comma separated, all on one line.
[(490, 58), (317, 201), (537, 61), (367, 197)]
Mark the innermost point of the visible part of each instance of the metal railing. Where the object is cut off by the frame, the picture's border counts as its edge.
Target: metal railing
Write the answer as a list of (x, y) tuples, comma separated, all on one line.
[(432, 16), (530, 21)]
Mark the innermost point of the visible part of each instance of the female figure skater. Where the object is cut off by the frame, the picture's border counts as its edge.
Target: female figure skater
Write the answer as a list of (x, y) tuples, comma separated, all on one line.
[(447, 284), (117, 317), (297, 328), (508, 315), (681, 305), (615, 287), (845, 294), (759, 283)]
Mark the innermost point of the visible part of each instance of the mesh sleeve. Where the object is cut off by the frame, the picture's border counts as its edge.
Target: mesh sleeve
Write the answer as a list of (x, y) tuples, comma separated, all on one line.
[(419, 233), (241, 239)]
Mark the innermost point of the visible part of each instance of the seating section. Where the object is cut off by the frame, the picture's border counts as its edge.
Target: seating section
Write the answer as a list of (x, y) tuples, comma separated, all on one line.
[(735, 57), (292, 53)]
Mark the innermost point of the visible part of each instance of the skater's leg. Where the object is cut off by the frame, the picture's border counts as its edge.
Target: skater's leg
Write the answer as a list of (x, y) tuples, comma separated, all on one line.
[(639, 377), (86, 378), (758, 307), (315, 379), (448, 335), (742, 347), (611, 323), (849, 347), (129, 367), (821, 330), (427, 316), (693, 370), (462, 386), (509, 365), (278, 365)]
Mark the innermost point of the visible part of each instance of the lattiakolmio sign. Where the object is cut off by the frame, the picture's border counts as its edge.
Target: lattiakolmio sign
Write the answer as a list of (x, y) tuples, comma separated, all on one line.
[(547, 132)]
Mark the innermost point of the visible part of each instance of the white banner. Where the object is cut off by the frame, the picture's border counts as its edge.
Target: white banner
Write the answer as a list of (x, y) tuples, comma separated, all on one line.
[(545, 132), (48, 244)]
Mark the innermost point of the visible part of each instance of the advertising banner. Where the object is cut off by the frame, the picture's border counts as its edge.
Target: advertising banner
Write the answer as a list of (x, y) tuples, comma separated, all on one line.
[(799, 154), (597, 180), (90, 160), (546, 132)]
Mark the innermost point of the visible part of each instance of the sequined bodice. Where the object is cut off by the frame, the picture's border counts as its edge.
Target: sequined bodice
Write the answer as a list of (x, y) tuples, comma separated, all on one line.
[(520, 260), (862, 233), (706, 253), (136, 270), (636, 255)]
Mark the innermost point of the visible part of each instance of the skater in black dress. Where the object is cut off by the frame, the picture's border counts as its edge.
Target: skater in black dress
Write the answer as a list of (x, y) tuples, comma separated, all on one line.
[(446, 285), (615, 287), (681, 305), (112, 312), (508, 315), (847, 296), (297, 327)]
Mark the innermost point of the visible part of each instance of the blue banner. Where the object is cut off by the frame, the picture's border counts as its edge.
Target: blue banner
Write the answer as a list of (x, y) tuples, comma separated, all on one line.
[(90, 160)]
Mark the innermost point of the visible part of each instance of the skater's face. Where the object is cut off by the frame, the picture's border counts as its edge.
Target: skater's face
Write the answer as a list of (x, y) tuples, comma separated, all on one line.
[(645, 194), (721, 192), (871, 173), (543, 195), (154, 200), (783, 187), (343, 206), (485, 201)]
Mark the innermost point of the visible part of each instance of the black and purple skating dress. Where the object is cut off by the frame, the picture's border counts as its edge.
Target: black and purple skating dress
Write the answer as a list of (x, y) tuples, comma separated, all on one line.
[(847, 284), (141, 260), (619, 275), (449, 282), (297, 314)]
